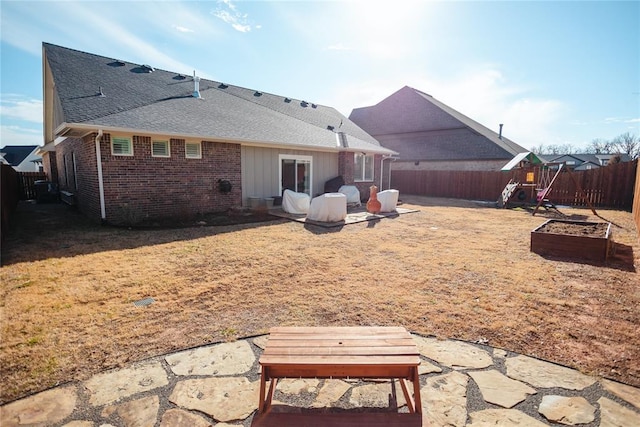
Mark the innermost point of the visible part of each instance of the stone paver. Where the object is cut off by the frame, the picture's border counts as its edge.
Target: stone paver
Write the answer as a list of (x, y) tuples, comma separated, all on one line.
[(612, 414), (50, 406), (455, 354), (298, 385), (216, 385), (503, 417), (223, 359), (546, 375), (623, 391), (377, 395), (225, 399), (113, 386), (139, 413), (180, 418), (330, 393), (445, 399), (499, 389), (567, 410)]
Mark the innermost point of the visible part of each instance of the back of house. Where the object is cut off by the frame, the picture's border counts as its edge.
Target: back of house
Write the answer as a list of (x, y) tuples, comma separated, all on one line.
[(134, 143)]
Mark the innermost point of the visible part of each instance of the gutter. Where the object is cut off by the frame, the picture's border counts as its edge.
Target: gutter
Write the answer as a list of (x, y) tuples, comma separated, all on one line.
[(103, 211)]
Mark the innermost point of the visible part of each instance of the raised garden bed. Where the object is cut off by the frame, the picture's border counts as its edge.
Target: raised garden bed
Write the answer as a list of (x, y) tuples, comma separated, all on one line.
[(573, 239)]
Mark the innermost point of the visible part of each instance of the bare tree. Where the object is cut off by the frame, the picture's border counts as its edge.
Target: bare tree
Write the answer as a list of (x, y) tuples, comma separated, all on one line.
[(599, 146), (627, 143)]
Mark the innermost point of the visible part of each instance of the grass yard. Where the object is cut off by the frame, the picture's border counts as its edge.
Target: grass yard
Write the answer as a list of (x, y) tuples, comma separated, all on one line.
[(454, 269)]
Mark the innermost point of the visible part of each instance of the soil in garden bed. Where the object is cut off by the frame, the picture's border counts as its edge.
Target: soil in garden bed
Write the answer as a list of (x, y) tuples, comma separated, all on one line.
[(575, 229)]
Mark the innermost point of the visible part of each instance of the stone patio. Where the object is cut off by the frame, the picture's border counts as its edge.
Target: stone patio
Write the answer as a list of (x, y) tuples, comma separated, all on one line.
[(462, 384)]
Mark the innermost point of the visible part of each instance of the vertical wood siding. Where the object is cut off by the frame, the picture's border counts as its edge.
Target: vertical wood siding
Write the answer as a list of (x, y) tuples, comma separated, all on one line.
[(260, 170)]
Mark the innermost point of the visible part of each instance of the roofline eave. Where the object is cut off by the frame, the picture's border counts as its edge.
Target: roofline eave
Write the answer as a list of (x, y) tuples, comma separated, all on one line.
[(67, 129)]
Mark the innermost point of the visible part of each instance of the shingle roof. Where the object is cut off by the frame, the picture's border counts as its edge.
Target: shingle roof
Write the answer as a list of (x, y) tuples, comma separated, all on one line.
[(420, 127), (15, 154), (162, 102)]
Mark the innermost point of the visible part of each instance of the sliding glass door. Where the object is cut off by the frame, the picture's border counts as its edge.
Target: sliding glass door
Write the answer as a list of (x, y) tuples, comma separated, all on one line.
[(295, 173)]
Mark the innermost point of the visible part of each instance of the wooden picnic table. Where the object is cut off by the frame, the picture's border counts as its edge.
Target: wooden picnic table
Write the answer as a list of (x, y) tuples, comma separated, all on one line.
[(340, 352)]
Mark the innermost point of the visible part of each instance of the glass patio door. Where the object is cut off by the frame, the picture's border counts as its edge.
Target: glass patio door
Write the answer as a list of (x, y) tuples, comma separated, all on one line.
[(295, 173)]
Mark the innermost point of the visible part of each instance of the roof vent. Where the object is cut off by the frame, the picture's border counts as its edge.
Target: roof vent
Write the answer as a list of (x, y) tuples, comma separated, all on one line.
[(287, 100), (222, 86), (116, 64), (100, 92), (341, 140), (257, 93), (179, 77), (500, 134), (314, 106), (330, 127), (304, 104), (147, 68), (196, 85)]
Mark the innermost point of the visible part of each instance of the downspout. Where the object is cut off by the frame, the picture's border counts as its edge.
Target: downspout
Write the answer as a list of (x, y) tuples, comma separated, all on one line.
[(103, 211)]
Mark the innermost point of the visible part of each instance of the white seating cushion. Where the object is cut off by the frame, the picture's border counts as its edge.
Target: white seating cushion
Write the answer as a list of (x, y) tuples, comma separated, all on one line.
[(329, 207), (295, 203), (388, 200)]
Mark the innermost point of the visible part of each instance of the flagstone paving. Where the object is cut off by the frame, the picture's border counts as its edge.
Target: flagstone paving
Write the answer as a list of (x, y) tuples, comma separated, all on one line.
[(462, 384)]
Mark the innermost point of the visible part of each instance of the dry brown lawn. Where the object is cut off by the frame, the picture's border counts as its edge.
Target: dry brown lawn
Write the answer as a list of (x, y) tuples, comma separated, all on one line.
[(454, 269)]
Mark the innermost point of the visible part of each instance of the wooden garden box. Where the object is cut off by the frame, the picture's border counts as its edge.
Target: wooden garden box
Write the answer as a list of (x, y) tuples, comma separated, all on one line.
[(573, 239)]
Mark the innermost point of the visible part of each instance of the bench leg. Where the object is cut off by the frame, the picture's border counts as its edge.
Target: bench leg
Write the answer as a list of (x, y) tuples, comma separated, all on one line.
[(262, 390), (416, 391), (407, 396)]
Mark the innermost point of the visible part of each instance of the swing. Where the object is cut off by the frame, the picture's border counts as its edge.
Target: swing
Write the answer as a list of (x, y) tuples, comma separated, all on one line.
[(544, 182)]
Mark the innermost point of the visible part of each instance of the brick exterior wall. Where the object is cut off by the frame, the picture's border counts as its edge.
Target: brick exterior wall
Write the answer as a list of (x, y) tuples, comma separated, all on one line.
[(49, 166), (142, 188), (346, 169)]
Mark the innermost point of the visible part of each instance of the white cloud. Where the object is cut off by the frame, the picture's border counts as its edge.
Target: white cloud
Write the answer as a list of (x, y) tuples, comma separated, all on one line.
[(183, 29), (17, 135), (338, 46), (21, 108), (229, 13)]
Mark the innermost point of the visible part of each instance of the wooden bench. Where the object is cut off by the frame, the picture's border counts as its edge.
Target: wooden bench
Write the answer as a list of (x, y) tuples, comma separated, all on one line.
[(339, 352)]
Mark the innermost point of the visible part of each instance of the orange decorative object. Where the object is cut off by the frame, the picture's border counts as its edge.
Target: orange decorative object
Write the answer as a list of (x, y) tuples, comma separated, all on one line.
[(373, 204)]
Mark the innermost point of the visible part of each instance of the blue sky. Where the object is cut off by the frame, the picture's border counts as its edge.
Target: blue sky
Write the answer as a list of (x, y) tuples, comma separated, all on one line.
[(552, 72)]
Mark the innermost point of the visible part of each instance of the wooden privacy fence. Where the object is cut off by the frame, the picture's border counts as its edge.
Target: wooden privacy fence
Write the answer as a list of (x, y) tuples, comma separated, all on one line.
[(611, 186), (26, 184)]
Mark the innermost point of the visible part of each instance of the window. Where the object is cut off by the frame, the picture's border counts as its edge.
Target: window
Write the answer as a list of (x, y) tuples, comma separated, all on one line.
[(363, 167), (192, 150), (160, 149), (121, 146)]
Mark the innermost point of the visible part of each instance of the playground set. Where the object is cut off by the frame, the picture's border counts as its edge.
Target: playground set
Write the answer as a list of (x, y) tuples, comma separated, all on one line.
[(537, 185)]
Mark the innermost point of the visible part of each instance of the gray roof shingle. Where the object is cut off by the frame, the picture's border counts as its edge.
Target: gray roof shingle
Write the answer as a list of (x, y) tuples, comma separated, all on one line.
[(420, 127), (162, 102)]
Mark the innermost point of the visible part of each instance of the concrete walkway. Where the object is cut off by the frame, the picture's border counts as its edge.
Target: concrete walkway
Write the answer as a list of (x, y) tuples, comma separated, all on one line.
[(462, 385)]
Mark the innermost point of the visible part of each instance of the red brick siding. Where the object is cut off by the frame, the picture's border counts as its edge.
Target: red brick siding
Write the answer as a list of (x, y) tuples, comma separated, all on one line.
[(144, 188)]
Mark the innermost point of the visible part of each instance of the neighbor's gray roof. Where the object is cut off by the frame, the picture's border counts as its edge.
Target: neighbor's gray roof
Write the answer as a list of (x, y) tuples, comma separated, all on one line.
[(162, 102), (15, 154), (420, 127)]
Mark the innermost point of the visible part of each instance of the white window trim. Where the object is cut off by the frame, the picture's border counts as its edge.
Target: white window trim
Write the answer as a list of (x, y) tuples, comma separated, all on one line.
[(130, 139), (362, 178), (309, 159), (163, 141), (186, 154)]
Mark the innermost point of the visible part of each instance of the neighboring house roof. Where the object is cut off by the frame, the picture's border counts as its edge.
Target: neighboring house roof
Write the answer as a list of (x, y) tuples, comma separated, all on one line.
[(420, 127), (98, 92), (16, 154), (576, 160)]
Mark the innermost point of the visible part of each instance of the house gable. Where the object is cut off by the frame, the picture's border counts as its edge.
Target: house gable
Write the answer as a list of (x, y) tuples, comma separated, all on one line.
[(421, 128)]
